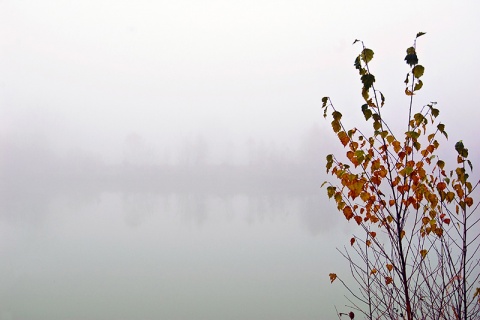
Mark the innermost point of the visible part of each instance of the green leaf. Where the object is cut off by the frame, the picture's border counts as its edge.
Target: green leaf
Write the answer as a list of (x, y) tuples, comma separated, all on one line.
[(357, 63), (377, 125), (365, 94), (441, 128), (419, 118), (368, 80), (441, 164), (330, 191), (408, 170), (462, 151), (418, 71), (329, 162), (412, 134), (459, 146), (417, 145), (324, 106), (418, 85), (420, 34), (367, 55), (411, 50), (360, 155), (336, 126), (411, 59), (351, 132), (470, 164), (367, 113)]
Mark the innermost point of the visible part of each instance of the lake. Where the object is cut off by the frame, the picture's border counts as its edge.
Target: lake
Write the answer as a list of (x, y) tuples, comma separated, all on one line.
[(145, 253)]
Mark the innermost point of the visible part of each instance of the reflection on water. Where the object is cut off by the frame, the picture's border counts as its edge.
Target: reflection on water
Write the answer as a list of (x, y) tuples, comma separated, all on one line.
[(150, 255)]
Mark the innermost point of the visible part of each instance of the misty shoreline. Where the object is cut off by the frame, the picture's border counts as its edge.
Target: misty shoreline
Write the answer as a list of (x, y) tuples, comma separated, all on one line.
[(203, 179)]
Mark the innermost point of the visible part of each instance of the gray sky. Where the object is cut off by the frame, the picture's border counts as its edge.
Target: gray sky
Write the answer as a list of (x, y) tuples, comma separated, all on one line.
[(86, 75), (152, 82)]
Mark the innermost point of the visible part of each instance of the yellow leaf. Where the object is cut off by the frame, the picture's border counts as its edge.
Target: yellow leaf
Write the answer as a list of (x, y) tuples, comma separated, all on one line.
[(336, 126), (477, 293), (423, 252)]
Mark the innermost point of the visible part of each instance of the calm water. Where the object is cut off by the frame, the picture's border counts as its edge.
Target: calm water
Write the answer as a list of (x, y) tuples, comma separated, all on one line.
[(113, 255)]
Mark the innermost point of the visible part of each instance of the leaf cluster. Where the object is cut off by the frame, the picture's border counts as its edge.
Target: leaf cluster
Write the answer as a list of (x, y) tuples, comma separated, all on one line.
[(396, 184)]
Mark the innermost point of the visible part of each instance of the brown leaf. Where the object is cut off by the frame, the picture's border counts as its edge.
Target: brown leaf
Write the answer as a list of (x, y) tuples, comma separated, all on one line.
[(333, 276), (347, 211), (358, 219)]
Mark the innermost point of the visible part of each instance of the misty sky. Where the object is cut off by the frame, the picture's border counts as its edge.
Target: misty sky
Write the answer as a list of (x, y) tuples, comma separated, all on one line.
[(84, 76)]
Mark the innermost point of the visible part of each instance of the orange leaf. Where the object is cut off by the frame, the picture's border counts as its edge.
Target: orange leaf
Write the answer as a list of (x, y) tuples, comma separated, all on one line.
[(347, 211), (368, 243), (333, 276), (446, 221), (389, 267), (388, 280), (343, 138), (373, 234), (352, 241), (373, 271), (441, 185), (423, 252)]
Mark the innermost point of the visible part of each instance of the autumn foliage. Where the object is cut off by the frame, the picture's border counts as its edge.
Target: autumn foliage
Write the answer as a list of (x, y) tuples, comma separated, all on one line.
[(415, 255)]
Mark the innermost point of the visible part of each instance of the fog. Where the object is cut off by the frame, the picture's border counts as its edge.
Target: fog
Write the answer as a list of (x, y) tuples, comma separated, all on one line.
[(163, 160)]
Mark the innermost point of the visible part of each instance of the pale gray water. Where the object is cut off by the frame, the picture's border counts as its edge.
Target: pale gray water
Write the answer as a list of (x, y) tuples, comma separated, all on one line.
[(147, 255)]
